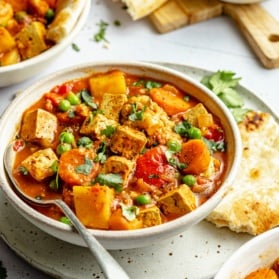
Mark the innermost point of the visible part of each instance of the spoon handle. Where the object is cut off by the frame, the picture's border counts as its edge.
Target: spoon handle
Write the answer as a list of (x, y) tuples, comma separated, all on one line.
[(108, 264)]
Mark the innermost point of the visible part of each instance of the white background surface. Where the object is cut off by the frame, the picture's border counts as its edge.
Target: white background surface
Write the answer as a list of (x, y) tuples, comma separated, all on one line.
[(216, 44)]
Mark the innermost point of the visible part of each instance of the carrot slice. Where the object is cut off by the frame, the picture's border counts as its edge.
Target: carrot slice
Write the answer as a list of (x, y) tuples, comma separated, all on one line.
[(195, 154), (76, 167)]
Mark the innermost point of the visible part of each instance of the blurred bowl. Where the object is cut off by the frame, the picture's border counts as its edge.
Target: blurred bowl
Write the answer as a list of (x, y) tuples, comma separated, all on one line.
[(132, 238), (21, 71), (259, 252), (242, 1)]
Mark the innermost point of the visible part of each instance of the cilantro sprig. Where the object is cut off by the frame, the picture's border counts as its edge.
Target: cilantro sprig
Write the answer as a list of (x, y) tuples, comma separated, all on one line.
[(224, 85)]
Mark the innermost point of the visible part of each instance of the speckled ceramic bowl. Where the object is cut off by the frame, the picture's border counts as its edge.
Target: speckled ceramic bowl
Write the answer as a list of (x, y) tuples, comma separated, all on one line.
[(121, 239), (259, 252), (21, 71)]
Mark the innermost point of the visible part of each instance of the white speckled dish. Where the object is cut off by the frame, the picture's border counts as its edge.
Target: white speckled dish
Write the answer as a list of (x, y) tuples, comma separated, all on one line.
[(197, 253)]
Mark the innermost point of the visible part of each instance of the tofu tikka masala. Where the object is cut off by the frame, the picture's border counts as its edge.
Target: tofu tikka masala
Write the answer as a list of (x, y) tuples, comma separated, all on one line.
[(123, 151)]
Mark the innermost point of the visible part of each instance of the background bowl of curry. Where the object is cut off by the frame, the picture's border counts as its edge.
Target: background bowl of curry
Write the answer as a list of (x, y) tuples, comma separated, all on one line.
[(27, 67), (255, 257), (119, 238)]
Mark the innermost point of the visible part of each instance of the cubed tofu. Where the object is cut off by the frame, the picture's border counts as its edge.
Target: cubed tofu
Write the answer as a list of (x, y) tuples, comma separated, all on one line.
[(111, 105), (94, 125), (112, 82), (127, 141), (6, 39), (150, 216), (31, 40), (10, 57), (178, 201), (93, 205), (193, 115), (39, 164), (119, 165), (39, 126)]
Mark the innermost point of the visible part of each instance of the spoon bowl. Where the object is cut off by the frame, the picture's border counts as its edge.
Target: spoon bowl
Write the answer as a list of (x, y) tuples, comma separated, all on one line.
[(107, 263)]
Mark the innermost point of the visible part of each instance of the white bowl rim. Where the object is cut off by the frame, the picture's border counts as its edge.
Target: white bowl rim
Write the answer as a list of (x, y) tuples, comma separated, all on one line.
[(192, 217), (56, 48)]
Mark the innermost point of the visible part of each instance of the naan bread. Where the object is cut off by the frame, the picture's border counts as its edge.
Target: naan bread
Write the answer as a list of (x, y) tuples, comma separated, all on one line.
[(140, 8), (252, 204), (67, 14)]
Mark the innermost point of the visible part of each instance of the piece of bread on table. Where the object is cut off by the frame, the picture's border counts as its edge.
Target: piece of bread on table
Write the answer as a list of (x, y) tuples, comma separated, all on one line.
[(141, 8), (67, 14)]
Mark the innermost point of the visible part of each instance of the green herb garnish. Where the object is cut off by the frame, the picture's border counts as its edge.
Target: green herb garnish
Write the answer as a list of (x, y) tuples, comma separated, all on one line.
[(85, 168), (75, 47), (135, 113), (108, 131), (129, 212), (101, 154), (112, 180), (224, 85), (100, 36), (88, 99)]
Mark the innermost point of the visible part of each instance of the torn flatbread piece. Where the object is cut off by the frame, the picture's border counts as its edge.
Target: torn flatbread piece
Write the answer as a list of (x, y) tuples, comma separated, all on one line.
[(252, 204), (67, 14), (141, 8)]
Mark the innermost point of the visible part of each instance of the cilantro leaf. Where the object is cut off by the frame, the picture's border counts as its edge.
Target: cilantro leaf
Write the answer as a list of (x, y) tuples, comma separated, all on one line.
[(231, 98), (221, 80), (112, 180), (224, 85), (129, 212), (85, 168), (88, 99)]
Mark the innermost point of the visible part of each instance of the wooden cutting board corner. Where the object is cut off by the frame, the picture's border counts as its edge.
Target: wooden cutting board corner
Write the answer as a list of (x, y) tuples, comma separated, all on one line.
[(259, 28)]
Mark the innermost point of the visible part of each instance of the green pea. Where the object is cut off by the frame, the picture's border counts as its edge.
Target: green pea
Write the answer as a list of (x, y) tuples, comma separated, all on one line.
[(189, 180), (194, 133), (64, 105), (73, 99), (174, 146), (49, 15), (63, 147), (66, 137), (143, 199), (65, 220)]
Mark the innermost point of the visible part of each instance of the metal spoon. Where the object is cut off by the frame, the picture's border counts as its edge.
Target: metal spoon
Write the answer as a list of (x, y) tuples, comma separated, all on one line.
[(107, 263)]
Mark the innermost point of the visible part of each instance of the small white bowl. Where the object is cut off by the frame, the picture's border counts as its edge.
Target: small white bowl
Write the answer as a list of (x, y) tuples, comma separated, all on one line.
[(259, 252), (21, 71), (132, 238)]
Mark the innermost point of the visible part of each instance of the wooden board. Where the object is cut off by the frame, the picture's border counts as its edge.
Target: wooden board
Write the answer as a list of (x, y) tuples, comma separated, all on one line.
[(259, 28)]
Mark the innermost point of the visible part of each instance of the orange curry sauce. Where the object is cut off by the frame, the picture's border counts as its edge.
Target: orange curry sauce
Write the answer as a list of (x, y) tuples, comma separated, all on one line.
[(147, 177)]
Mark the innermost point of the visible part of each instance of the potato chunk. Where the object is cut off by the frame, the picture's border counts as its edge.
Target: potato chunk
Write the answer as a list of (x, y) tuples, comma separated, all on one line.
[(10, 57), (39, 126), (6, 39), (94, 125), (112, 104), (39, 164), (112, 82), (31, 40), (93, 205), (178, 201), (127, 141), (150, 216)]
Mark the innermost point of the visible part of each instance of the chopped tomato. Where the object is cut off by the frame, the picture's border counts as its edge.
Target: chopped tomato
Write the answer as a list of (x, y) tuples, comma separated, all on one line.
[(153, 167), (215, 133)]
